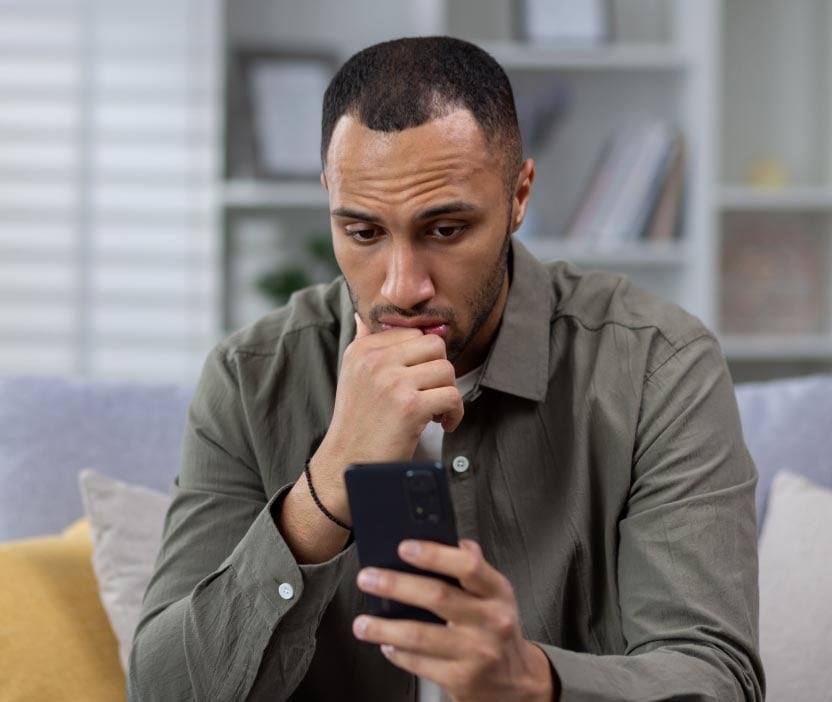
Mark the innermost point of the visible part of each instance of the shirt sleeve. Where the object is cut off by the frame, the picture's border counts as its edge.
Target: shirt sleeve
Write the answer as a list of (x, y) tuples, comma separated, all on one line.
[(687, 560), (225, 582)]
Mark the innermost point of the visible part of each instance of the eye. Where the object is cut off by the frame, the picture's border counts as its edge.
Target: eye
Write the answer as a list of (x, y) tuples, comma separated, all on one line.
[(447, 231), (362, 235)]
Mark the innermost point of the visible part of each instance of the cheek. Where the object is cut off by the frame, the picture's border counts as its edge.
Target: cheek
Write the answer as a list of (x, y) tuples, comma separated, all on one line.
[(456, 277), (363, 276)]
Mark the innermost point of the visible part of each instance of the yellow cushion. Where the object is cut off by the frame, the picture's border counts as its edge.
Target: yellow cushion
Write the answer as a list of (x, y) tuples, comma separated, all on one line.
[(55, 640)]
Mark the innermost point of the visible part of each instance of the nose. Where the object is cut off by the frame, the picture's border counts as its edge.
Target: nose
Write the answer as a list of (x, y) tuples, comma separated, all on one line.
[(407, 281)]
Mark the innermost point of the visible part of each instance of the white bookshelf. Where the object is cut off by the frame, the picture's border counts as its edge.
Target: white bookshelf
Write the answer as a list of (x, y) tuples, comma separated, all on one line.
[(656, 65), (734, 75), (632, 257), (806, 198), (514, 56), (774, 102)]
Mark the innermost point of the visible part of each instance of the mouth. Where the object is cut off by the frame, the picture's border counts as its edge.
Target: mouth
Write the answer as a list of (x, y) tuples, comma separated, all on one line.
[(426, 326)]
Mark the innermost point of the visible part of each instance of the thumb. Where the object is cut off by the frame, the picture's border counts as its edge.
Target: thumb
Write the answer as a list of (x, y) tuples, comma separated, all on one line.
[(361, 329)]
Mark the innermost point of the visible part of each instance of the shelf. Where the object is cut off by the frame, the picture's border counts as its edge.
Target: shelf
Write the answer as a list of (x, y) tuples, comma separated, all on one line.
[(258, 195), (528, 56), (765, 348), (793, 199), (632, 256)]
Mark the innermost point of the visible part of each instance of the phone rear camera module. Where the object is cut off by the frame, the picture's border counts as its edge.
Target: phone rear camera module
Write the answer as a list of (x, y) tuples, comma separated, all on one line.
[(420, 481), (423, 496)]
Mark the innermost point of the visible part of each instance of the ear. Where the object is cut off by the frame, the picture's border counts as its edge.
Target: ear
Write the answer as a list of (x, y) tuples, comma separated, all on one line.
[(323, 180), (522, 193)]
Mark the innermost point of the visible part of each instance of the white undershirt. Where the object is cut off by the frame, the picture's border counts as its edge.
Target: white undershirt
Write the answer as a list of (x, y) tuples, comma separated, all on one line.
[(430, 449)]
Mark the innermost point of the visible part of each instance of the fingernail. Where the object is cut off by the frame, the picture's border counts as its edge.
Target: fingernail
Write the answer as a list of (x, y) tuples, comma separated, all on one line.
[(360, 627), (387, 649), (368, 577), (410, 548)]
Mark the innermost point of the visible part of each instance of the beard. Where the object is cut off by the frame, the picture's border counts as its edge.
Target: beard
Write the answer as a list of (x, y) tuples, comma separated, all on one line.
[(480, 301)]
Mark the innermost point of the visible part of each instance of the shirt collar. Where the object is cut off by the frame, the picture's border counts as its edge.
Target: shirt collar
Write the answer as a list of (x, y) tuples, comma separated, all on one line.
[(518, 361)]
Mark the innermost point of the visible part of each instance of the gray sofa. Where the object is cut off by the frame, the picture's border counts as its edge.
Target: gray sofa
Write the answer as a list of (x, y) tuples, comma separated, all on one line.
[(50, 428)]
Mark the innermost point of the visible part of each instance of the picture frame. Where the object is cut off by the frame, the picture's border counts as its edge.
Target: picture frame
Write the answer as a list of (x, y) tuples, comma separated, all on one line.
[(564, 22), (283, 96)]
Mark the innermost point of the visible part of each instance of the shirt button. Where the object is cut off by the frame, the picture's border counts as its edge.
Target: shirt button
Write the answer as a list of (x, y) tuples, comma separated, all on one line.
[(461, 464), (286, 591)]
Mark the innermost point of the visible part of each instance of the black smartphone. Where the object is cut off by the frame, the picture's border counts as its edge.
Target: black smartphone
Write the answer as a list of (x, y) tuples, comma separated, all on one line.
[(391, 502)]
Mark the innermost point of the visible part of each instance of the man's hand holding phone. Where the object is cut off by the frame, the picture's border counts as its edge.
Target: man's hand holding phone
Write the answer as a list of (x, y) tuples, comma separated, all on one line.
[(480, 654)]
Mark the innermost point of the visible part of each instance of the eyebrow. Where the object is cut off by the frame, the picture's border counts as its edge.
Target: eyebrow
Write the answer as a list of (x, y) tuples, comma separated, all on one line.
[(448, 208)]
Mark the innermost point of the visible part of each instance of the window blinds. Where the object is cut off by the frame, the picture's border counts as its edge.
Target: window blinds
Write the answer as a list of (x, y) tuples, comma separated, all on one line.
[(109, 148)]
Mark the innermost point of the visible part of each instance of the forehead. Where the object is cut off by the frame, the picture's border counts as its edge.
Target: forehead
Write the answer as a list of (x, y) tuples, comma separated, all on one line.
[(450, 150)]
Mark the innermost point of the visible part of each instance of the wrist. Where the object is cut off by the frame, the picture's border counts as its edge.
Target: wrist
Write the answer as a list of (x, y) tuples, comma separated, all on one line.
[(326, 475), (544, 681), (310, 535), (320, 505)]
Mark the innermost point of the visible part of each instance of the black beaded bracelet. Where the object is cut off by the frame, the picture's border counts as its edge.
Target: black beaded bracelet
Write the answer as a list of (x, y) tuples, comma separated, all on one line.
[(318, 502)]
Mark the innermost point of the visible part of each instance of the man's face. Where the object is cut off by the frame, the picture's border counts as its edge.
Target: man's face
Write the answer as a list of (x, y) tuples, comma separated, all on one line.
[(420, 224)]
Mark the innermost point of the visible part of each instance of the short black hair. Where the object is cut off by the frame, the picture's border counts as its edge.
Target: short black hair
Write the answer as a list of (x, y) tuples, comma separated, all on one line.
[(407, 82)]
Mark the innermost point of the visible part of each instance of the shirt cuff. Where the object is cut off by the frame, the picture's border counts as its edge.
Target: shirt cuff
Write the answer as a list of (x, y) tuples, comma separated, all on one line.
[(270, 575)]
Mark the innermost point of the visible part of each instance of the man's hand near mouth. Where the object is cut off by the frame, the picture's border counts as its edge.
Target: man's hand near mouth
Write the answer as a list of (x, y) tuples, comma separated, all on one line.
[(391, 385)]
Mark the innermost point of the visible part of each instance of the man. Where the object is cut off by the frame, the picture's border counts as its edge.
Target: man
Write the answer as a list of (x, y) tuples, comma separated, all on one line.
[(601, 485)]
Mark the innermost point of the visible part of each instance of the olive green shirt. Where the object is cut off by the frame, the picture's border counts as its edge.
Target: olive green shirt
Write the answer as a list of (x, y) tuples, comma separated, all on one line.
[(608, 480)]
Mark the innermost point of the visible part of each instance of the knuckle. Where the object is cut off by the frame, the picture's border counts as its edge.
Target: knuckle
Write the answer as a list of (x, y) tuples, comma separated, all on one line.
[(373, 358), (488, 656), (435, 343), (408, 401), (419, 638), (505, 622), (361, 361), (471, 567), (392, 383), (439, 594)]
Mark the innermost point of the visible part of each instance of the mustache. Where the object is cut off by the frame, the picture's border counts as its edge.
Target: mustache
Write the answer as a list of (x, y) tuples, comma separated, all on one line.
[(444, 313)]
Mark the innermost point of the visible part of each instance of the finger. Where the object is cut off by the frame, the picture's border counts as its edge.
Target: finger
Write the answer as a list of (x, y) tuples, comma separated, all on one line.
[(361, 329), (443, 599), (465, 563), (392, 336), (424, 348), (444, 402), (436, 640), (432, 374)]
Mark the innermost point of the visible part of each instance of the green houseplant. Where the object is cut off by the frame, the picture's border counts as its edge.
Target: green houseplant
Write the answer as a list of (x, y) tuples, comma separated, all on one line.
[(317, 265)]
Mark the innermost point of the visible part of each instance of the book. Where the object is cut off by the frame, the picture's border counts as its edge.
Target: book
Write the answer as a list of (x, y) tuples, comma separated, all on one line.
[(626, 186), (664, 219), (610, 172), (626, 218)]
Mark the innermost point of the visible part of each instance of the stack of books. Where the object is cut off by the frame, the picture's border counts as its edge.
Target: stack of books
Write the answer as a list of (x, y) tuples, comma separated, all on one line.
[(635, 190)]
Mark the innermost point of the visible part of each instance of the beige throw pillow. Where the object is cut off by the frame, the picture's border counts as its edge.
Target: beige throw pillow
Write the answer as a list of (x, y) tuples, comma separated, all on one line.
[(796, 590), (126, 526)]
